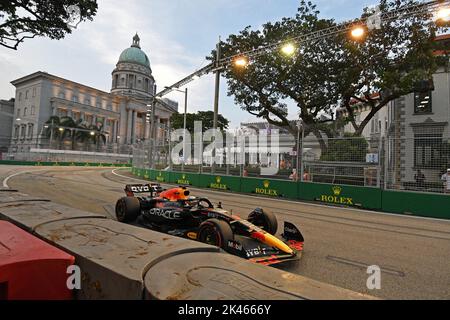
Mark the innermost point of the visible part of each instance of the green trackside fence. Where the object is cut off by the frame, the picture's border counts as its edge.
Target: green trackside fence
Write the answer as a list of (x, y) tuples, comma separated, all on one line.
[(362, 197), (399, 202), (62, 164), (415, 203)]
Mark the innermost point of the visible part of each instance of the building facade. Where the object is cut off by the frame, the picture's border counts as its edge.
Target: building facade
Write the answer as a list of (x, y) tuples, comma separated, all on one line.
[(6, 121), (120, 113)]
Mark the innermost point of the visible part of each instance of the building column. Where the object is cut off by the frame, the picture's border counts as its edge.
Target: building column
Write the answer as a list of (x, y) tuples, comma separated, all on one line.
[(129, 126), (122, 125), (116, 131), (135, 120), (144, 127)]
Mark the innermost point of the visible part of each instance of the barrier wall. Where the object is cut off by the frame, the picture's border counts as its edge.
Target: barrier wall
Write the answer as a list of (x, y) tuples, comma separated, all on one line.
[(62, 164), (410, 203), (419, 204), (362, 197)]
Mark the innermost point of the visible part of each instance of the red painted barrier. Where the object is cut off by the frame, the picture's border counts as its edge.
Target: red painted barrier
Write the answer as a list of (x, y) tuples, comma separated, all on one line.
[(31, 269)]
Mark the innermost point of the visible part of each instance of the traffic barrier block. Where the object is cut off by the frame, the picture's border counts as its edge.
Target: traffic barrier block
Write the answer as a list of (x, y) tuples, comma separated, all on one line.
[(114, 257), (31, 269), (30, 214), (220, 276)]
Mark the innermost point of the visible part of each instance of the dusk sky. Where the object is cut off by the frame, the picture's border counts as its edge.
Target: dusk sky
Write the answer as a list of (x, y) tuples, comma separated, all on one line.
[(177, 35)]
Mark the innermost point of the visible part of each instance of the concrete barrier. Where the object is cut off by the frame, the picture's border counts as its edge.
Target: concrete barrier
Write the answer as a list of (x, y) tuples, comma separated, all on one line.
[(120, 261), (220, 276), (114, 257)]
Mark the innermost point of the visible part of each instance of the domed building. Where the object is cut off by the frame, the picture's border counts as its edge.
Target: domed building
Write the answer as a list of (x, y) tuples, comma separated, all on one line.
[(133, 74), (120, 113)]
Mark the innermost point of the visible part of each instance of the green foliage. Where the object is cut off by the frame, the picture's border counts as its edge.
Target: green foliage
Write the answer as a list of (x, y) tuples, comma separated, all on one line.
[(25, 19), (349, 148), (331, 72), (206, 117), (76, 131)]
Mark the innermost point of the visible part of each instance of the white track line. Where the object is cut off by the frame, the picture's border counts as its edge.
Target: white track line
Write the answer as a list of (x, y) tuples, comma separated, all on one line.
[(309, 204), (6, 180)]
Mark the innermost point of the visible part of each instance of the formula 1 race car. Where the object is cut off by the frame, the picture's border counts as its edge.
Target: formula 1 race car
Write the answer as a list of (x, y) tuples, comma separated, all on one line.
[(176, 213)]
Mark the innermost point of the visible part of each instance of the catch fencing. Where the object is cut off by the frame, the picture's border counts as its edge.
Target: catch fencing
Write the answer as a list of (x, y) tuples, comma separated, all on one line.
[(388, 162)]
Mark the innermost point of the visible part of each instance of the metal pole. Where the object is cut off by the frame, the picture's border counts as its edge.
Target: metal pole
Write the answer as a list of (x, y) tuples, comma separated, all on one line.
[(301, 154), (152, 133), (216, 104), (298, 151), (170, 145), (184, 127), (51, 135)]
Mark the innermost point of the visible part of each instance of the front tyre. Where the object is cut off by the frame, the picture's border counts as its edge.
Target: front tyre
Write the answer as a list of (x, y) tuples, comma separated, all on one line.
[(215, 232), (128, 209), (264, 219)]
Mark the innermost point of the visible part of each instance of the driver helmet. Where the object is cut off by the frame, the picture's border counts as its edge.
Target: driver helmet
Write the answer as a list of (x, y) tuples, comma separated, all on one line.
[(176, 194)]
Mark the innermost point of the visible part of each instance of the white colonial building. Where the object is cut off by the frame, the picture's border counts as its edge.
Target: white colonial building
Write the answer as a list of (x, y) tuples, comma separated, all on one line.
[(121, 113)]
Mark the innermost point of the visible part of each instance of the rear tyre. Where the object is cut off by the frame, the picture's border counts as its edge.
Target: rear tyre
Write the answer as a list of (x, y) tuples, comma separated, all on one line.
[(128, 209), (264, 219), (215, 232)]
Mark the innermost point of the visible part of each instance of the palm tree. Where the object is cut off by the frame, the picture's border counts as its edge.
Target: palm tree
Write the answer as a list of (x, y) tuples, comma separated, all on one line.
[(98, 136), (51, 130), (73, 132)]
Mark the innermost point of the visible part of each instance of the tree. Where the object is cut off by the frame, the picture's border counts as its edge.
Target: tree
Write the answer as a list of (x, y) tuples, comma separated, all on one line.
[(388, 63), (308, 77), (350, 148), (25, 19), (206, 117), (330, 72), (76, 131)]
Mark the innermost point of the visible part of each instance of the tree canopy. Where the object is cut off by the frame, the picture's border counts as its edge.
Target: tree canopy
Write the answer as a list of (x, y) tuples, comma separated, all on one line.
[(206, 117), (25, 19), (332, 72)]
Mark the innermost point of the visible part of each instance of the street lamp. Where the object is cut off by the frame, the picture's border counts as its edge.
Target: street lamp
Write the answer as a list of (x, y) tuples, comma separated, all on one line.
[(443, 15), (241, 62), (288, 49), (358, 32), (184, 125)]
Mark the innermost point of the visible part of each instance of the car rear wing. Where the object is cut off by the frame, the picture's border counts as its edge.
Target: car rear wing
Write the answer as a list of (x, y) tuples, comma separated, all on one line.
[(153, 189)]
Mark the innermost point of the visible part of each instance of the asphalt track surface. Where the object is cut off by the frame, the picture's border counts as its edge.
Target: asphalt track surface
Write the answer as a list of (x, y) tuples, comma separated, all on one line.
[(413, 253)]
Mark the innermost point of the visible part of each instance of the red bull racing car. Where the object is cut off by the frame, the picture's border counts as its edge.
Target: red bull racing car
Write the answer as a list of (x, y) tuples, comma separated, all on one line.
[(176, 213)]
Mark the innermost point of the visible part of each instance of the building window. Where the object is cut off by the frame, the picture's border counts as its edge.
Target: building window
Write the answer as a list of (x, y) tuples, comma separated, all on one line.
[(423, 102), (33, 110), (74, 98), (16, 132), (18, 113), (62, 95), (26, 95), (34, 92), (20, 96), (428, 150), (23, 132), (87, 101), (30, 131)]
